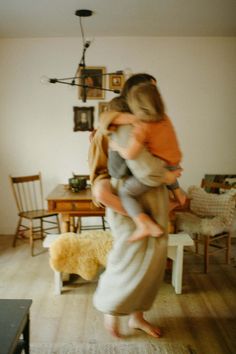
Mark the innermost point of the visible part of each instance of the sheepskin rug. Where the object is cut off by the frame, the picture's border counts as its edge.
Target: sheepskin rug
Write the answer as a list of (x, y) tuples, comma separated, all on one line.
[(83, 254)]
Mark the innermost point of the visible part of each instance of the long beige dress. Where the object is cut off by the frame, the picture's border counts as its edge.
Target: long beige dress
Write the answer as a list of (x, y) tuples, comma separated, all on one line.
[(135, 271)]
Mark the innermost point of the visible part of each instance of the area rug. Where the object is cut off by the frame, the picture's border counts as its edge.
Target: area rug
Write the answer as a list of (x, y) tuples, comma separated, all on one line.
[(112, 348)]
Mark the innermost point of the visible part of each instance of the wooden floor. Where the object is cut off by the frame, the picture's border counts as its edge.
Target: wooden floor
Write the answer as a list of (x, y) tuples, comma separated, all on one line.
[(203, 318)]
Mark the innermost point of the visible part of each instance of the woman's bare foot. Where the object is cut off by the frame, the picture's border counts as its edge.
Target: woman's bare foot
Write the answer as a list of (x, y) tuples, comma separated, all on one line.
[(145, 227), (111, 323), (137, 321)]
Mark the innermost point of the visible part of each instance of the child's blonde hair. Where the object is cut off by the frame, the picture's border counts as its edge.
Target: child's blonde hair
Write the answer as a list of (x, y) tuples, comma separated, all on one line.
[(145, 102)]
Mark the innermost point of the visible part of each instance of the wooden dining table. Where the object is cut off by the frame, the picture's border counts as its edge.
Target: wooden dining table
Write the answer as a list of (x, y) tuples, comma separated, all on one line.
[(69, 205)]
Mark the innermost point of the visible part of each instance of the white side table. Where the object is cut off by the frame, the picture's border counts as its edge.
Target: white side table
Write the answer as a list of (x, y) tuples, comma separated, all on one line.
[(175, 251)]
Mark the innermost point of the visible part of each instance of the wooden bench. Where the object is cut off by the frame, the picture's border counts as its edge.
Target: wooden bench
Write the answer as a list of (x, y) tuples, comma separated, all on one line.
[(176, 244), (14, 322)]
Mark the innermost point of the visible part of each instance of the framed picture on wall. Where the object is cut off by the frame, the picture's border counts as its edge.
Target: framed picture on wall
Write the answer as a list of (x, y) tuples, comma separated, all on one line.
[(102, 107), (83, 118), (93, 78), (116, 81)]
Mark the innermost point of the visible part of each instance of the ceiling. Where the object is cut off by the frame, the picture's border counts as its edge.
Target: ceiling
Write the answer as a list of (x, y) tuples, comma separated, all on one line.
[(56, 18)]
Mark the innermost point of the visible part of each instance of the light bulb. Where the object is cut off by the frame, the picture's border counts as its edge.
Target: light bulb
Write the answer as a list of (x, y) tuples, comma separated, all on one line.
[(44, 80), (127, 73)]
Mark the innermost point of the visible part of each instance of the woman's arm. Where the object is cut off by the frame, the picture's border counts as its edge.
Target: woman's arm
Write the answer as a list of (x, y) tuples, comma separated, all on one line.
[(131, 151)]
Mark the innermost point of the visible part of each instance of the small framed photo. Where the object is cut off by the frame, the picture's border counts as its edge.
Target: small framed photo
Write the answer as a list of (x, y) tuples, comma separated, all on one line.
[(116, 81), (83, 118), (102, 107), (93, 78)]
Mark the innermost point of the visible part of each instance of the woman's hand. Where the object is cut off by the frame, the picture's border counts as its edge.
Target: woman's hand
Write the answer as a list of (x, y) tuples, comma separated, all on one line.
[(178, 172), (171, 176), (113, 145), (91, 135)]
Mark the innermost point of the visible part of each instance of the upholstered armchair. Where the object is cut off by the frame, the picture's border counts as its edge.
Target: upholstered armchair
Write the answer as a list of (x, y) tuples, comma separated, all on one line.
[(209, 221)]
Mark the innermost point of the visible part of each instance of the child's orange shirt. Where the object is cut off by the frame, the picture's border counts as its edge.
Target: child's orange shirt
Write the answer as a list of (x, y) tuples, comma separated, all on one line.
[(160, 139)]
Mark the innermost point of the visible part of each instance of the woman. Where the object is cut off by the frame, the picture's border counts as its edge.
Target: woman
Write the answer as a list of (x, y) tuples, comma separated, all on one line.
[(135, 271)]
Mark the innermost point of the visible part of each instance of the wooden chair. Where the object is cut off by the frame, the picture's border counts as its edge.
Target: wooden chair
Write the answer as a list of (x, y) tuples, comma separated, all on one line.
[(33, 218), (76, 224), (209, 219), (215, 187)]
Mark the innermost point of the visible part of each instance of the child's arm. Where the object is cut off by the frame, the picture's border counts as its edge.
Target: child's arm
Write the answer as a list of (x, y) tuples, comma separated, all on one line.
[(135, 144), (110, 120), (124, 118)]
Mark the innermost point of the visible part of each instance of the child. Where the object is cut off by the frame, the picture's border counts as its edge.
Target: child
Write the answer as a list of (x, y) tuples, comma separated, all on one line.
[(101, 187), (154, 129)]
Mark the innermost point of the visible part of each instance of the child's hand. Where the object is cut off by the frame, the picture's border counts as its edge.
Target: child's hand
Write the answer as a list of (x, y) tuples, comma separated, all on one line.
[(177, 172), (91, 135)]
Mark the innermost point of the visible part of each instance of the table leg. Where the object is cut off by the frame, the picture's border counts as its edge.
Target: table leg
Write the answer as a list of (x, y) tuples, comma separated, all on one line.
[(26, 336), (58, 282), (65, 223), (78, 226), (177, 270), (75, 224)]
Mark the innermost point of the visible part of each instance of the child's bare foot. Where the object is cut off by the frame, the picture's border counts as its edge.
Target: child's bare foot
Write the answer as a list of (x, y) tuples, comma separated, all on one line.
[(145, 227), (146, 231), (111, 323), (138, 322)]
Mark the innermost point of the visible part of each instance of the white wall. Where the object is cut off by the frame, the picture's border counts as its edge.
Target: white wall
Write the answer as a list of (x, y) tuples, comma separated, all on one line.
[(197, 78)]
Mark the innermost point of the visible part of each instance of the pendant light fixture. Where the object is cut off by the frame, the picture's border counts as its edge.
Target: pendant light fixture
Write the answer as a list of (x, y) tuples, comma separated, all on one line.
[(81, 80)]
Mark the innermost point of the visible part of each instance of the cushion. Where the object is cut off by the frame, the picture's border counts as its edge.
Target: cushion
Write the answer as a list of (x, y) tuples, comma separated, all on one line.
[(194, 224), (206, 204)]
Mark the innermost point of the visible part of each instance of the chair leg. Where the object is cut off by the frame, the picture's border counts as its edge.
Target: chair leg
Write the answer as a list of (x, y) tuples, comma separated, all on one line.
[(103, 223), (41, 229), (16, 233), (58, 224), (79, 225), (228, 248), (206, 253), (72, 226), (76, 225), (196, 243), (31, 238)]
